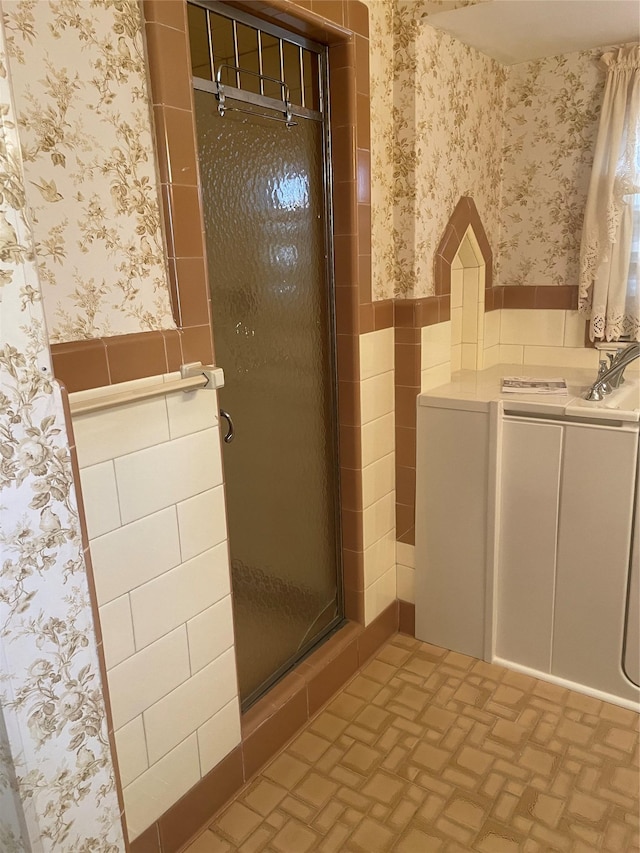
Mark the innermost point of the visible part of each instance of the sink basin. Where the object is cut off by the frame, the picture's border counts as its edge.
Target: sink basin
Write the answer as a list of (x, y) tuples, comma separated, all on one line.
[(626, 397)]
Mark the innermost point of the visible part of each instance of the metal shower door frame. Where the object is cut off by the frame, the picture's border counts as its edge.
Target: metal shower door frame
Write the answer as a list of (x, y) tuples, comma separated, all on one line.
[(323, 117)]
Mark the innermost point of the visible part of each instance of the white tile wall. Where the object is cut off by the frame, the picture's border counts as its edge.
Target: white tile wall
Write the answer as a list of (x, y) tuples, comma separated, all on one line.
[(135, 553), (185, 709), (376, 353), (377, 396), (152, 484), (378, 466), (162, 785), (131, 747), (378, 439), (379, 595), (218, 736), (202, 522), (405, 556), (121, 430), (536, 327), (179, 594), (117, 630), (168, 473), (378, 519), (100, 497), (210, 633), (378, 479), (144, 678)]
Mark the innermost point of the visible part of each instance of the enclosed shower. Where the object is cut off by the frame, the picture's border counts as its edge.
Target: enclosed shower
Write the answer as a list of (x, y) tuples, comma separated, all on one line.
[(260, 103)]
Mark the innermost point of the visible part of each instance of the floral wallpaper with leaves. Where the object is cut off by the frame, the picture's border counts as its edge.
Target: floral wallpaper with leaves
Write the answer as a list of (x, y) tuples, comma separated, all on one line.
[(83, 111), (447, 107), (551, 116), (57, 785)]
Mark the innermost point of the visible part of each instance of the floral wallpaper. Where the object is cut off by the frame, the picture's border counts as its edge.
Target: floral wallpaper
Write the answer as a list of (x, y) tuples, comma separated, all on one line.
[(57, 786), (83, 111), (448, 100), (551, 115)]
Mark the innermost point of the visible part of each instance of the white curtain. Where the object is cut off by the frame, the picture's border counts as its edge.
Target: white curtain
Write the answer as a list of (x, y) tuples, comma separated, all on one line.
[(609, 257)]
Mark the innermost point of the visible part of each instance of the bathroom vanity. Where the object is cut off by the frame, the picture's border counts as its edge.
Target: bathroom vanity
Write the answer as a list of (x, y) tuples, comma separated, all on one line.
[(524, 528)]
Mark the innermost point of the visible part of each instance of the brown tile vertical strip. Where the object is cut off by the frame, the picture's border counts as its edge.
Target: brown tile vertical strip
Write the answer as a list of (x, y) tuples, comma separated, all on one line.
[(171, 90), (93, 598), (407, 618)]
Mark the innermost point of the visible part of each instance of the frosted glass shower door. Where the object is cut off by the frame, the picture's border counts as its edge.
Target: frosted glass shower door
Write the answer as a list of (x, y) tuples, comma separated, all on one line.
[(263, 194)]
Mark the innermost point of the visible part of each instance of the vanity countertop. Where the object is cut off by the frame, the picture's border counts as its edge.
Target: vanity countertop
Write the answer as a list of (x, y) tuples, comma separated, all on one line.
[(474, 390)]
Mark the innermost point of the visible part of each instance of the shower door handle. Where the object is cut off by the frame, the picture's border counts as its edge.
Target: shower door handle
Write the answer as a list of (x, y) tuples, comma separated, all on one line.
[(230, 431)]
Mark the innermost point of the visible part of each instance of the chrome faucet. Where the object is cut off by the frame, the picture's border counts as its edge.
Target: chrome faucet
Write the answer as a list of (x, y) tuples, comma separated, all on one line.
[(612, 377)]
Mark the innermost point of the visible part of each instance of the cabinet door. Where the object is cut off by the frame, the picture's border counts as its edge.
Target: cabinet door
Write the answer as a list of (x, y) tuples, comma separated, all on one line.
[(593, 555), (451, 523), (529, 498)]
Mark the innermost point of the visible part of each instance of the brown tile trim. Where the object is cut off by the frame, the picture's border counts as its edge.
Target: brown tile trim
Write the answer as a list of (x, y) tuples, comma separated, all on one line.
[(271, 723), (406, 618), (105, 361), (562, 297), (464, 215)]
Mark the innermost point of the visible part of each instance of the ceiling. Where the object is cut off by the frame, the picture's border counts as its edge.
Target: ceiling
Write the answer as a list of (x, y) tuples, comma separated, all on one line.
[(513, 31)]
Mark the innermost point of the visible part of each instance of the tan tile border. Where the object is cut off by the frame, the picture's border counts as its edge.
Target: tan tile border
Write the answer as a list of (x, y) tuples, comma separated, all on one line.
[(268, 726)]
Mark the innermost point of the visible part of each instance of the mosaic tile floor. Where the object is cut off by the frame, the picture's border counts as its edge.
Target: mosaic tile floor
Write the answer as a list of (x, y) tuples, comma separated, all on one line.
[(428, 750)]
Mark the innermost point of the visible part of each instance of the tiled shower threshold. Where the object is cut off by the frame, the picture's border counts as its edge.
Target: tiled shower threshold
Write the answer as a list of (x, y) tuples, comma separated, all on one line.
[(429, 750)]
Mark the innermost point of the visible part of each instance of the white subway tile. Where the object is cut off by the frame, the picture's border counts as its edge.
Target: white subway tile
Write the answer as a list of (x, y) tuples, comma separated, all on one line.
[(210, 633), (134, 554), (120, 430), (435, 376), (456, 358), (376, 353), (379, 595), (491, 356), (406, 583), (562, 356), (406, 554), (470, 308), (469, 357), (378, 439), (378, 479), (161, 786), (147, 676), (456, 326), (436, 345), (492, 328), (511, 354), (377, 396), (100, 498), (131, 749), (574, 329), (533, 327), (378, 519), (219, 735), (169, 473), (457, 285), (190, 705), (179, 594), (379, 558), (117, 631), (192, 411), (202, 522)]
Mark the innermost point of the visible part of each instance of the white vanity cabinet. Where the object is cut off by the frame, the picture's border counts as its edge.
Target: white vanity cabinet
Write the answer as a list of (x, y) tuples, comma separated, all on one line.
[(524, 529), (566, 493)]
